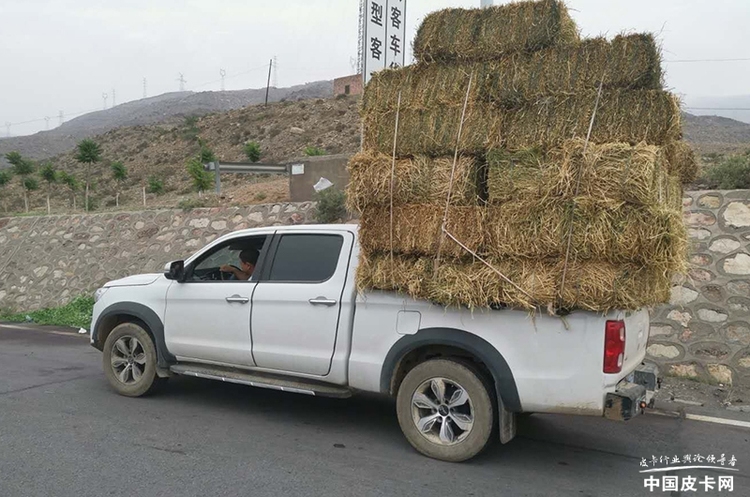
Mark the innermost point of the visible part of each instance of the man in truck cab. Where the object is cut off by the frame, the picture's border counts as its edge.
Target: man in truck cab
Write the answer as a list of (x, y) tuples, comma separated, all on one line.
[(248, 260)]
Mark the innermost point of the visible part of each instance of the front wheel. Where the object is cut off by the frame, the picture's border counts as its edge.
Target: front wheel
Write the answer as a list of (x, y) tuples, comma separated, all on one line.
[(130, 360), (445, 410)]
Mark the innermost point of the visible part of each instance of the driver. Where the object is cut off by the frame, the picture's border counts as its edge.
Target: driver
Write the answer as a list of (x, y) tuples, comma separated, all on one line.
[(248, 259)]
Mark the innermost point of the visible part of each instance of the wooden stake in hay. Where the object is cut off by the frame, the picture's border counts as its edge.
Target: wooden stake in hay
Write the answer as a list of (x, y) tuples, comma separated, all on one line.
[(593, 285), (420, 180), (628, 62), (416, 229), (481, 34)]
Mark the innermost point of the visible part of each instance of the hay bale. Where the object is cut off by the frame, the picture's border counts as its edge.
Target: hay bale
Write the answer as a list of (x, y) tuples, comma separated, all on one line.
[(628, 62), (611, 171), (681, 161), (480, 34), (592, 285), (432, 132), (417, 180), (616, 234), (417, 229), (624, 116)]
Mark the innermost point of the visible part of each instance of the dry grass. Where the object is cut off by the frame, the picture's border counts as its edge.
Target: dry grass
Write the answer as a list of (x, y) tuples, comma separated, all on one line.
[(609, 172), (628, 62), (591, 285), (417, 180), (481, 34), (623, 116), (682, 162)]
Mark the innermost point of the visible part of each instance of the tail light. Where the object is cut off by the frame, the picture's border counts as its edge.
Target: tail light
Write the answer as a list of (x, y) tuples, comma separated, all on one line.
[(614, 346)]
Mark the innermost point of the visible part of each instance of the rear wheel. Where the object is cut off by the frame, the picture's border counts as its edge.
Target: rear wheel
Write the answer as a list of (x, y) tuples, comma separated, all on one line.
[(446, 410), (130, 360)]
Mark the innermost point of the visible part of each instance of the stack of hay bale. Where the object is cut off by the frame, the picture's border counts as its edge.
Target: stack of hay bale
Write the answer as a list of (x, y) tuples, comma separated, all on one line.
[(577, 225)]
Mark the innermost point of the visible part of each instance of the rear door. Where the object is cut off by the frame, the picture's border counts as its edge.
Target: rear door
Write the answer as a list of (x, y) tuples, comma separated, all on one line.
[(297, 301)]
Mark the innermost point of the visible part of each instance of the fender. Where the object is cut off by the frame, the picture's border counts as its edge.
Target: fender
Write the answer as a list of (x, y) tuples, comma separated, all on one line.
[(505, 384), (148, 316)]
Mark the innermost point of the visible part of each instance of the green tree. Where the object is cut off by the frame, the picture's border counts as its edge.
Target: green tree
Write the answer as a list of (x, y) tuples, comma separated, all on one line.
[(206, 154), (202, 179), (155, 185), (5, 178), (48, 174), (71, 182), (252, 151), (120, 174), (88, 152), (731, 173), (22, 167), (331, 205)]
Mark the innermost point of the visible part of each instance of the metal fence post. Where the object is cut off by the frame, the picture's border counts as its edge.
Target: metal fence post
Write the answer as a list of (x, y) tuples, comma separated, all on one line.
[(217, 170)]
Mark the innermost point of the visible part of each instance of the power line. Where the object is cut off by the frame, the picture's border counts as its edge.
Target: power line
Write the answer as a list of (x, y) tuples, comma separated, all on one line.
[(718, 108)]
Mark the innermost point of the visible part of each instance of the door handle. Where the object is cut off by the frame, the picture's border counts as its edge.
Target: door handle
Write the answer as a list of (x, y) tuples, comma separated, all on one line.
[(237, 299), (322, 301)]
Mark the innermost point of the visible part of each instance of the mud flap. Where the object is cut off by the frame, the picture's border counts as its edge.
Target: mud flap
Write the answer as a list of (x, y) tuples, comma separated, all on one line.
[(507, 422)]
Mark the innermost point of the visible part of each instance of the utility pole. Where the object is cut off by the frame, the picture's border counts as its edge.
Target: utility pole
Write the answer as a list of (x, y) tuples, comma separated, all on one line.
[(223, 74), (7, 129), (46, 123), (275, 72), (113, 97), (182, 81), (361, 41), (268, 84), (61, 117), (145, 93), (104, 97)]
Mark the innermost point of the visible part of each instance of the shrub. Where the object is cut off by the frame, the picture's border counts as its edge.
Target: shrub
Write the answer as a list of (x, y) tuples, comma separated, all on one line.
[(202, 179), (312, 151), (252, 151), (155, 185), (76, 313), (191, 203), (731, 173), (261, 196), (331, 206)]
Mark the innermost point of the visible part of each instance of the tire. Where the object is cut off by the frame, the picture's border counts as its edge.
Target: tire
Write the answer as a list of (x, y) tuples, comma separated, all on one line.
[(470, 417), (129, 361)]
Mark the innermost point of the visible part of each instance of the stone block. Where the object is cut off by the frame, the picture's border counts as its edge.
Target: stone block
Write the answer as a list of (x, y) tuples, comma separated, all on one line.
[(681, 295), (699, 233), (702, 275), (200, 223), (737, 214), (714, 351), (738, 305), (724, 245), (720, 373), (660, 330), (219, 225), (663, 351), (737, 332), (711, 315), (682, 317), (710, 201), (739, 287), (738, 264), (701, 260), (687, 202), (685, 370)]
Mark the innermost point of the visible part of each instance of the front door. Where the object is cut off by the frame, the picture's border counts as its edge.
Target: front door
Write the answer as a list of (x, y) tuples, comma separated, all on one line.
[(297, 302), (207, 317)]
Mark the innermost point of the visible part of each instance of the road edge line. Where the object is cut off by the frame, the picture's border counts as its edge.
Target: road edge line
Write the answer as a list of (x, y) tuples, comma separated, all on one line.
[(722, 421)]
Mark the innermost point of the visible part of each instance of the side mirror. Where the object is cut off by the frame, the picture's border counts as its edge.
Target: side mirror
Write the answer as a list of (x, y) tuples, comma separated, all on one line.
[(175, 270)]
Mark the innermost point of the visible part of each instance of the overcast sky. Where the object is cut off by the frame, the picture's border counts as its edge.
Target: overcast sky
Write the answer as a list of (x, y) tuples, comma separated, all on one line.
[(63, 54)]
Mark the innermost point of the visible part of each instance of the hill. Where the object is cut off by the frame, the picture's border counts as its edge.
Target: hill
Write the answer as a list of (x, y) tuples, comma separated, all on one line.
[(283, 130), (166, 108), (714, 134)]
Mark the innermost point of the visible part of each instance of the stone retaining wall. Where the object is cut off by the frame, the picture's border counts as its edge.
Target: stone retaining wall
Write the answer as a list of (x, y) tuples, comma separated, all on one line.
[(45, 261), (704, 334)]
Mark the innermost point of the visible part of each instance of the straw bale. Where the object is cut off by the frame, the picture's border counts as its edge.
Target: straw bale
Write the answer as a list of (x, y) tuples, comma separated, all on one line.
[(480, 34), (591, 285), (417, 229), (624, 116), (617, 234), (432, 132), (611, 171), (628, 62), (417, 180), (627, 116), (682, 162)]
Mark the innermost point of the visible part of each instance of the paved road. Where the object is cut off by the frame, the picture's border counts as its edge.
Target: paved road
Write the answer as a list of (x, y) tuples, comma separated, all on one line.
[(63, 432)]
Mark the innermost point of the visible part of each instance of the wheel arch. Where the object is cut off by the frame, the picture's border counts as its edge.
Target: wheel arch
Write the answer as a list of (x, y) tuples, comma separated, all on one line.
[(447, 342), (124, 312)]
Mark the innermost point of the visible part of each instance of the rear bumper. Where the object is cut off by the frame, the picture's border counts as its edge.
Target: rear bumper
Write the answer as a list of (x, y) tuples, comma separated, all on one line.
[(633, 394)]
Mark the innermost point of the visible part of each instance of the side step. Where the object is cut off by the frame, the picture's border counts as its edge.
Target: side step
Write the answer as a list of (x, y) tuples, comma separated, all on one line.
[(261, 380)]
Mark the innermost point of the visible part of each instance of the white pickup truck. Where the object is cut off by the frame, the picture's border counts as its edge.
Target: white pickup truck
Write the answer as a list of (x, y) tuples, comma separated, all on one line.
[(289, 317)]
